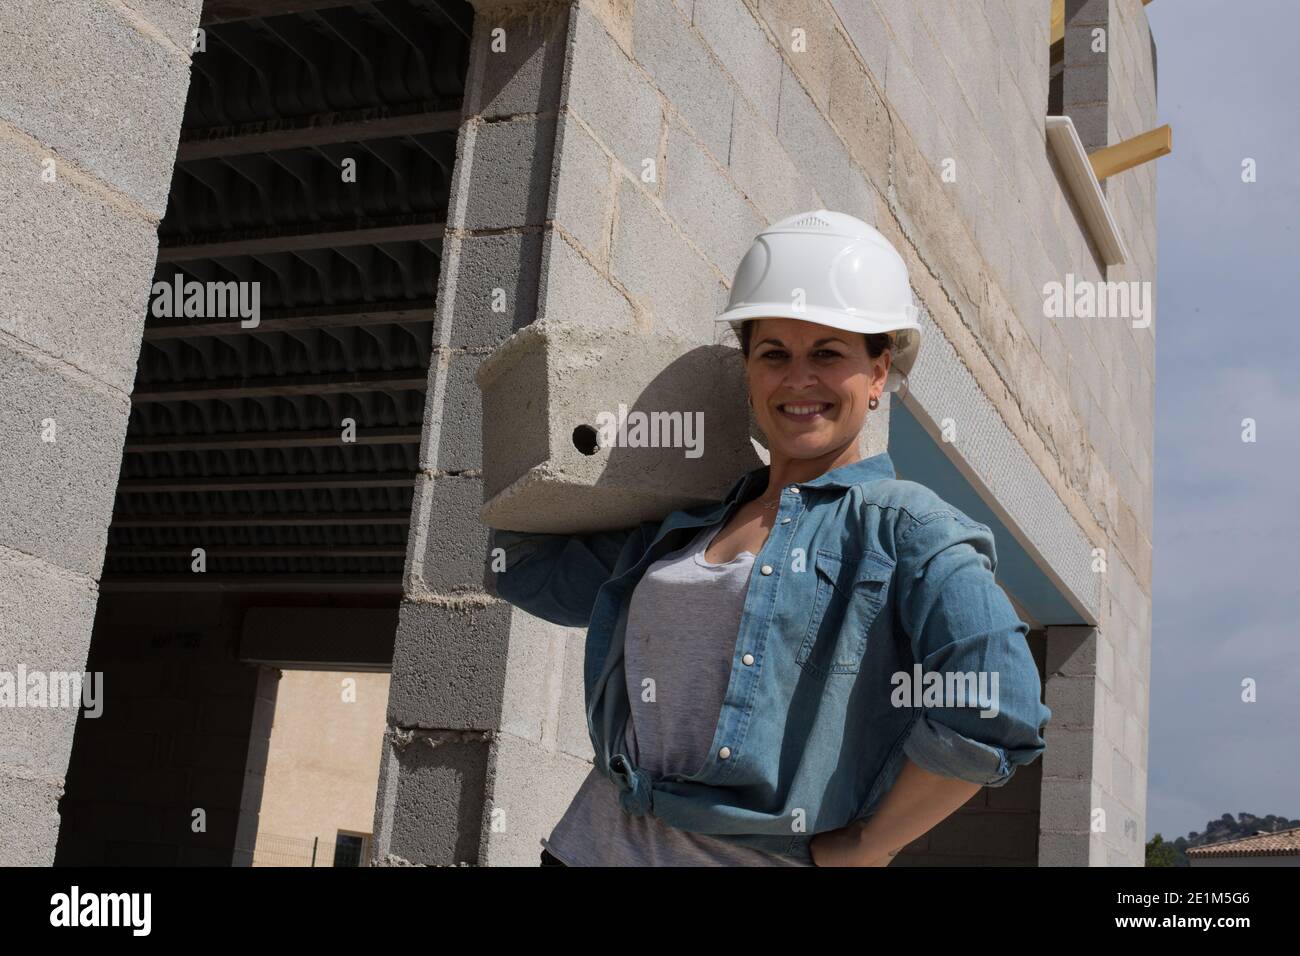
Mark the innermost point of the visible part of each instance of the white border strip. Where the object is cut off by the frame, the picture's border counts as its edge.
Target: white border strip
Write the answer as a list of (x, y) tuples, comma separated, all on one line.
[(1086, 188)]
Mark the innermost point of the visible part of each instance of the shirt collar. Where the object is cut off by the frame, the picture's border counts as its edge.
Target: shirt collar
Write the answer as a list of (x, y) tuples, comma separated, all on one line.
[(845, 476)]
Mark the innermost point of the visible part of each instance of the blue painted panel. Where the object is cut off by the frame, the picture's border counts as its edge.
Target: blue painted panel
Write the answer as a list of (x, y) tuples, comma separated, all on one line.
[(919, 458)]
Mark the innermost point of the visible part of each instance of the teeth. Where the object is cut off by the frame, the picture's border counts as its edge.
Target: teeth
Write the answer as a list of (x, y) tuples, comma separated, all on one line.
[(805, 409)]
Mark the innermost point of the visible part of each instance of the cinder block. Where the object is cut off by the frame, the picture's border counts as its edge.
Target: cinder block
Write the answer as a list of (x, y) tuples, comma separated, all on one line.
[(1087, 84), (452, 412), (525, 76), (681, 67), (549, 392), (574, 292), (1069, 753), (1090, 124), (433, 798), (869, 34), (819, 153), (1085, 12), (452, 543), (176, 19), (29, 819), (908, 99), (89, 314), (59, 495), (449, 663), (807, 39), (572, 734), (859, 113), (612, 94), (532, 695), (662, 273), (83, 80), (473, 269), (531, 788), (736, 39), (1066, 804), (584, 190), (900, 15), (701, 199), (510, 187), (1064, 849), (763, 171), (1073, 701)]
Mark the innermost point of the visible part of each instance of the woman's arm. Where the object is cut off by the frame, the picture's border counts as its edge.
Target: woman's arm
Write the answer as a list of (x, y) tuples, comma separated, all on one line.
[(556, 576), (960, 624), (916, 803)]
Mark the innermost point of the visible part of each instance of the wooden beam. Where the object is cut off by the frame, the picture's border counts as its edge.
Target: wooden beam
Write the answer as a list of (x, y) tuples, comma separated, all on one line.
[(316, 131), (414, 380), (294, 439), (1057, 30), (302, 241), (289, 321), (283, 519), (1132, 152), (307, 482)]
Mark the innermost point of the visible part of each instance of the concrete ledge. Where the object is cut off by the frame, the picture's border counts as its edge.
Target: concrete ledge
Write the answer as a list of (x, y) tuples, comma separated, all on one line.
[(547, 381)]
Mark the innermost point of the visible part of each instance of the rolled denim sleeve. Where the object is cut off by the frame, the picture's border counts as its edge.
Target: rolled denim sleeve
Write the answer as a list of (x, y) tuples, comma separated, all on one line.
[(554, 576), (960, 622)]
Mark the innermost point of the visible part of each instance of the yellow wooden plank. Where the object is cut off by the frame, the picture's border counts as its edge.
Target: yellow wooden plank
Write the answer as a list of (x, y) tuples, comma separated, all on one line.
[(1132, 152), (1058, 21)]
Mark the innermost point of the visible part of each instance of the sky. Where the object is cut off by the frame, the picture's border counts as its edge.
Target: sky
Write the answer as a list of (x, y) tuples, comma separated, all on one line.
[(1227, 520)]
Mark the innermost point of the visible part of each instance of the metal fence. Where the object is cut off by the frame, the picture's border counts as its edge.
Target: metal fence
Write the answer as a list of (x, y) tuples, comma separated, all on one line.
[(275, 849)]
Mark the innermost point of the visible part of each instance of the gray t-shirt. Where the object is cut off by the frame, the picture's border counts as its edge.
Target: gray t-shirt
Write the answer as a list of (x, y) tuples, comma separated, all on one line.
[(681, 638)]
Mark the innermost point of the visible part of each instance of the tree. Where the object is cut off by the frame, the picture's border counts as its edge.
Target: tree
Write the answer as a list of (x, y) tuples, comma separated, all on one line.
[(1160, 853)]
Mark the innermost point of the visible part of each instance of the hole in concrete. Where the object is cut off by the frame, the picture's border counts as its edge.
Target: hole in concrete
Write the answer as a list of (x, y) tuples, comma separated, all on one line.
[(586, 440)]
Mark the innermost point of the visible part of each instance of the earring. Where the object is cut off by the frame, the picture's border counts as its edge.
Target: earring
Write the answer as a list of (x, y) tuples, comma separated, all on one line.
[(873, 403)]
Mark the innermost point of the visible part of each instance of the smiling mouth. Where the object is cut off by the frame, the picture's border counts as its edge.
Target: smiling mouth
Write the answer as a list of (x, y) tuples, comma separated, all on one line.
[(803, 411)]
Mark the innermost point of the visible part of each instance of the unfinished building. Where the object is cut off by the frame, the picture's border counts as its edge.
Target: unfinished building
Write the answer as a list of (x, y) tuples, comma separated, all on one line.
[(443, 237)]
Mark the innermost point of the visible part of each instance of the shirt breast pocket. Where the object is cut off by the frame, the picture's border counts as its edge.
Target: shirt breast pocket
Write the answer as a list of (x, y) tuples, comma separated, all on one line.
[(851, 590)]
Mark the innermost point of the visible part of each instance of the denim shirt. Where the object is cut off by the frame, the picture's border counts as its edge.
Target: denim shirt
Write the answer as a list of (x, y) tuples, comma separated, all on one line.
[(865, 580)]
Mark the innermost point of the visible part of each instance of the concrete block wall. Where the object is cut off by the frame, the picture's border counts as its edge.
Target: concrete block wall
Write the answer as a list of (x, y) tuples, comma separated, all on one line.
[(91, 96), (748, 111)]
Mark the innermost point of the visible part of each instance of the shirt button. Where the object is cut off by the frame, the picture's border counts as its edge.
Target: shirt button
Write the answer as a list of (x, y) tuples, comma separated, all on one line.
[(785, 521), (748, 658), (724, 753), (766, 569), (794, 490)]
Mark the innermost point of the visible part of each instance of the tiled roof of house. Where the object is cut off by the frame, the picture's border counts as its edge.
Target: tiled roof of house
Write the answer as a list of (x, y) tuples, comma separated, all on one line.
[(1262, 843)]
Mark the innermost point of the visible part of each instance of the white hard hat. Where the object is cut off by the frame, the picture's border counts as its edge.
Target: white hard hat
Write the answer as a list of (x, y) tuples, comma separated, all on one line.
[(832, 269)]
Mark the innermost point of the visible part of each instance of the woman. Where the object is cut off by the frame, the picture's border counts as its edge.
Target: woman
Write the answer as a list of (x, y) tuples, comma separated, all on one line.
[(752, 667)]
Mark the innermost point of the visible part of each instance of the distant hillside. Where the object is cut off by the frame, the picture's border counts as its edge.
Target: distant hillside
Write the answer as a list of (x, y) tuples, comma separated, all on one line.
[(1162, 853)]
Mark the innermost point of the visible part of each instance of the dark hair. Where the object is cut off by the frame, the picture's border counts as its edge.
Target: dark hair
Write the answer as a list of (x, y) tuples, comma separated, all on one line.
[(877, 342)]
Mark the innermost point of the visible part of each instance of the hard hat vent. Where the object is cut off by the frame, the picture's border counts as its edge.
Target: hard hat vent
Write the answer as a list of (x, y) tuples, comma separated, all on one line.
[(812, 222)]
